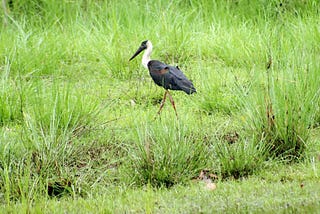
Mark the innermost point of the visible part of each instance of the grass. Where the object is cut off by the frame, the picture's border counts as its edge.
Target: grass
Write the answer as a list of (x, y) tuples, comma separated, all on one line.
[(242, 196), (77, 120)]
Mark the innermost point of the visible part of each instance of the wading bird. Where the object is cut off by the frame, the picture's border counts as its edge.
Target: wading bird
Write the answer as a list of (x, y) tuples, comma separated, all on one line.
[(167, 76)]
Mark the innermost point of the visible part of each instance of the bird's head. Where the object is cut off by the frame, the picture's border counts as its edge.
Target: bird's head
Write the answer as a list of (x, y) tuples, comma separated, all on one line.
[(144, 45)]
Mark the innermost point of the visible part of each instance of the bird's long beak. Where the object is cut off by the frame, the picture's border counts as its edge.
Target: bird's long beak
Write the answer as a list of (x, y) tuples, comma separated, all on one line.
[(141, 48)]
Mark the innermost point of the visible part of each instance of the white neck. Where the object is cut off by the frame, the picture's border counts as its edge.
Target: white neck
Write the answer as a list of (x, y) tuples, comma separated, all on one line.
[(146, 55)]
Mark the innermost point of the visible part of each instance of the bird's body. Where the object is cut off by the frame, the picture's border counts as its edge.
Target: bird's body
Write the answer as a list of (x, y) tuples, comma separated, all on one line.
[(169, 77), (166, 76)]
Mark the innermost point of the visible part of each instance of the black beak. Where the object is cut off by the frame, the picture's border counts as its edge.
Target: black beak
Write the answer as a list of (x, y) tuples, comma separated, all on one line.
[(141, 48)]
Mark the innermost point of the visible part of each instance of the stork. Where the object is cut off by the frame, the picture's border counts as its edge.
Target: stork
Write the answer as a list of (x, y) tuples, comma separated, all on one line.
[(166, 76)]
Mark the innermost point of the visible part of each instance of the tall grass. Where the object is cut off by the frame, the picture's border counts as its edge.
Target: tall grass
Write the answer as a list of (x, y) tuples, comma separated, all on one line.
[(45, 147), (11, 96), (166, 154), (284, 103), (75, 115)]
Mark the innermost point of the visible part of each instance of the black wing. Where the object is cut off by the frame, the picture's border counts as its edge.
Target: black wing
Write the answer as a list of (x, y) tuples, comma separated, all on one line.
[(170, 77)]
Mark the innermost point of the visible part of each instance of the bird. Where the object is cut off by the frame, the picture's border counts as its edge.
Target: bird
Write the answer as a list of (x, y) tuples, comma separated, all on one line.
[(167, 76)]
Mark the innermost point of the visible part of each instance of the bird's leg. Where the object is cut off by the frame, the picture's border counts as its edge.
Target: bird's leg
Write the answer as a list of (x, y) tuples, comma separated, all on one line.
[(163, 101), (172, 102)]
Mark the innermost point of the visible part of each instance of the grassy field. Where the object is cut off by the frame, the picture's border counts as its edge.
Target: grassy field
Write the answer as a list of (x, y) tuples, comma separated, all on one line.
[(79, 131)]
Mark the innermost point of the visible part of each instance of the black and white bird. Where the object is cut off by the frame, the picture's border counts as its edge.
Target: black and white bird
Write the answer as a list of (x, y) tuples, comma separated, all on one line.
[(167, 76)]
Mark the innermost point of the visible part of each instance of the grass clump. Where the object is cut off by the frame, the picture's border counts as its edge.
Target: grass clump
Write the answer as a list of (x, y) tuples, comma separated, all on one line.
[(239, 159), (166, 154), (46, 151), (283, 114)]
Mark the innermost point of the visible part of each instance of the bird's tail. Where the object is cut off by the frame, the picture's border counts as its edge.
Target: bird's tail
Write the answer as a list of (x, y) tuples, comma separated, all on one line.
[(190, 90)]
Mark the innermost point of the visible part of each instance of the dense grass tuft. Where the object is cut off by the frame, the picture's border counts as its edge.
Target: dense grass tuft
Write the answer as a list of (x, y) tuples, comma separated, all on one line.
[(166, 154), (239, 159)]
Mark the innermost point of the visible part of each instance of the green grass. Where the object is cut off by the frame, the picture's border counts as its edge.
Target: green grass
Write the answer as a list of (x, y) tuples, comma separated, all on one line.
[(284, 191), (78, 124)]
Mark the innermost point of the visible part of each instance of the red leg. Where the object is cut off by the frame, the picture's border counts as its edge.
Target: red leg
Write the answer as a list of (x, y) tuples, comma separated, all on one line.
[(163, 101), (172, 102)]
